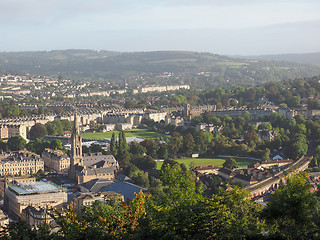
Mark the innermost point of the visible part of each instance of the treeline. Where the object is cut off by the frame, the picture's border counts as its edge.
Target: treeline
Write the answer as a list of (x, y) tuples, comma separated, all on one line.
[(287, 93), (10, 109), (291, 93), (17, 143), (54, 128), (175, 208), (240, 135)]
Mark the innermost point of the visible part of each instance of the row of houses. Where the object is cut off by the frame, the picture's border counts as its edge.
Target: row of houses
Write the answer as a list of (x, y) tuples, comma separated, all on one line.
[(255, 171)]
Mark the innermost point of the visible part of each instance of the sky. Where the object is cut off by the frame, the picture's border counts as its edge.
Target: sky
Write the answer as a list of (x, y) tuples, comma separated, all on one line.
[(232, 27)]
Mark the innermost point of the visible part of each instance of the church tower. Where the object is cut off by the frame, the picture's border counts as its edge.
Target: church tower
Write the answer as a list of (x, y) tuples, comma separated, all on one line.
[(76, 148)]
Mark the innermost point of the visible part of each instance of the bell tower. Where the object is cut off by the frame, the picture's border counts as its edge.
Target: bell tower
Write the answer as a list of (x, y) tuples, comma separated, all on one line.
[(76, 148)]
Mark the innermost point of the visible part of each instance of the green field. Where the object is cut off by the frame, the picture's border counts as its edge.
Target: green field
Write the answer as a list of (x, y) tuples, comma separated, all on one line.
[(204, 162), (142, 133), (242, 162)]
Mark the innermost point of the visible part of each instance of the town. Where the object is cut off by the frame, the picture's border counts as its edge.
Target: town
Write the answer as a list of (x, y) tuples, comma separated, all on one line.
[(163, 120), (52, 158)]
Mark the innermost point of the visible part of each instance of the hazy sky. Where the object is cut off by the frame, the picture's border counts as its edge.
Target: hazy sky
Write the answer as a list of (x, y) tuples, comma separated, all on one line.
[(218, 26)]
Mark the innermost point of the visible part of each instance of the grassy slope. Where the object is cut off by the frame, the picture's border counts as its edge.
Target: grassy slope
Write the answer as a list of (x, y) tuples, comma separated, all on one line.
[(243, 163), (142, 133)]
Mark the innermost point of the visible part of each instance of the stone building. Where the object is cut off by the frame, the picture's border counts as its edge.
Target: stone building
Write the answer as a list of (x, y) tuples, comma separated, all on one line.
[(35, 216), (56, 160), (19, 196), (20, 163), (10, 179), (87, 199), (92, 166)]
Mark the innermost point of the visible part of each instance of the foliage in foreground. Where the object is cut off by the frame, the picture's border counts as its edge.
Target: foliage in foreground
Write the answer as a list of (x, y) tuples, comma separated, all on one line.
[(178, 210)]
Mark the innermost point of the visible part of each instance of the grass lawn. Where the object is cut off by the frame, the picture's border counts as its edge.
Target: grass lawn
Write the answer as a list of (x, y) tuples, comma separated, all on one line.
[(204, 162), (242, 162), (137, 132)]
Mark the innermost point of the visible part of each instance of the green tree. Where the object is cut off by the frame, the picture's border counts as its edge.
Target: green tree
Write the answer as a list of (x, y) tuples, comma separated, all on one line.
[(16, 143), (113, 145), (175, 143), (230, 163), (188, 143), (13, 111), (3, 146), (163, 151), (37, 131), (56, 144), (265, 126), (293, 211)]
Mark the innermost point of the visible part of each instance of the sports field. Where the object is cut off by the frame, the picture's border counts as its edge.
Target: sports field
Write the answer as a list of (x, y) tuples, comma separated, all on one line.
[(204, 162), (142, 133)]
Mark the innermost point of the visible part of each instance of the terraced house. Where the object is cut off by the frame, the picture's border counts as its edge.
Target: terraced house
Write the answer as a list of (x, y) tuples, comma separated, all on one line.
[(20, 163)]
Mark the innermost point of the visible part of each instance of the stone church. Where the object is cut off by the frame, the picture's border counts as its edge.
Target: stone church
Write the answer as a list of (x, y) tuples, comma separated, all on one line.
[(84, 168)]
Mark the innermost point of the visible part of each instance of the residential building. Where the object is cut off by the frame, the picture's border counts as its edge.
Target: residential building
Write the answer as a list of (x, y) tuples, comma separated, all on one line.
[(280, 163), (20, 163), (56, 160), (87, 199)]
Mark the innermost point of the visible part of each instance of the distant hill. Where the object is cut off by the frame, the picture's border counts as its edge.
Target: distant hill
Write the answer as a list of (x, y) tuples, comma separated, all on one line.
[(304, 58), (194, 68)]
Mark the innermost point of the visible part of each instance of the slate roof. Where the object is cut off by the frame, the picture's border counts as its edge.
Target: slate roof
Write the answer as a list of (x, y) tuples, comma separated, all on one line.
[(277, 161), (127, 189), (95, 171), (95, 185), (227, 171), (95, 159)]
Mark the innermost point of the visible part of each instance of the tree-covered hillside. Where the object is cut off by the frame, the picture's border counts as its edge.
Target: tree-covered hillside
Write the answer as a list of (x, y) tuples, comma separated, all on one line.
[(197, 69), (304, 58)]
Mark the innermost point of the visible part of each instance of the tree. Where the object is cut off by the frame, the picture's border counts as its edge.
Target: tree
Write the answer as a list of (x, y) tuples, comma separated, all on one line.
[(251, 136), (151, 146), (3, 146), (37, 131), (123, 155), (13, 111), (188, 143), (230, 163), (37, 146), (95, 148), (21, 230), (16, 143), (113, 145), (201, 141), (137, 150), (55, 128), (163, 151), (145, 163), (265, 126), (293, 211), (175, 143), (56, 144)]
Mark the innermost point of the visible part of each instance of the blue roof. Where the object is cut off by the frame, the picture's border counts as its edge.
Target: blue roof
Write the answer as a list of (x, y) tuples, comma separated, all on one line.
[(127, 189)]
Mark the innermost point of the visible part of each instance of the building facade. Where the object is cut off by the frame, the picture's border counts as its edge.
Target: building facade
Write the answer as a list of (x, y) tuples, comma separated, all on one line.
[(20, 163), (87, 199), (17, 197), (56, 160)]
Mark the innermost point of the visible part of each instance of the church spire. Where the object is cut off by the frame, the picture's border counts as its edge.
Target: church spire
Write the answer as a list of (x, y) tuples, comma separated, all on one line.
[(76, 146)]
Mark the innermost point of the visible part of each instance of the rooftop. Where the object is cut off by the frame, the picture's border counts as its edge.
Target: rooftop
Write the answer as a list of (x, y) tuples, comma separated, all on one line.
[(34, 187)]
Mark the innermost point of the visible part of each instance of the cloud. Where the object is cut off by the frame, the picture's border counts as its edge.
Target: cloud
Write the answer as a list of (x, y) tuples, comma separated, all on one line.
[(154, 24)]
